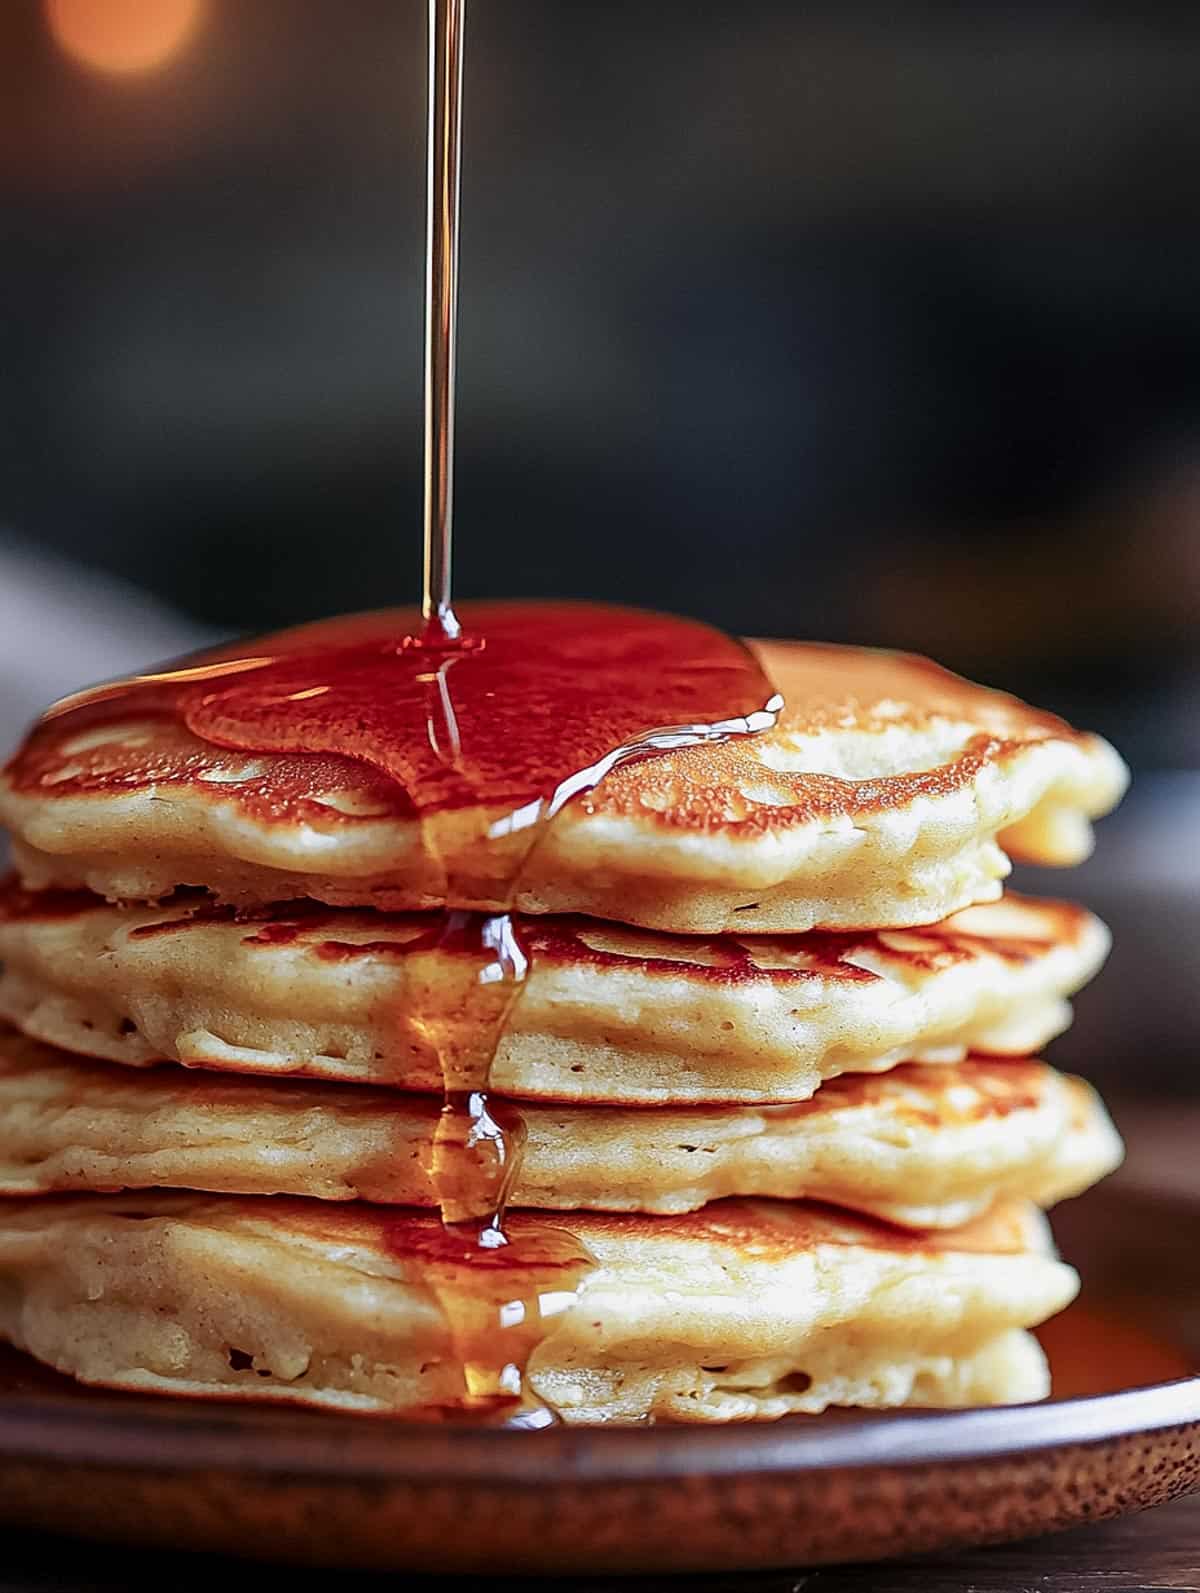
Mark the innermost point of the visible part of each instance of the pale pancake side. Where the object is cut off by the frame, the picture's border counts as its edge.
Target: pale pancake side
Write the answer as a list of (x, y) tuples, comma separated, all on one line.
[(921, 1147), (750, 1310), (608, 1014), (884, 797)]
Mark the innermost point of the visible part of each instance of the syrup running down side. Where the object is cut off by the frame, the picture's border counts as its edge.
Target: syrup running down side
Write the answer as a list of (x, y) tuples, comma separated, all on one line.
[(489, 735)]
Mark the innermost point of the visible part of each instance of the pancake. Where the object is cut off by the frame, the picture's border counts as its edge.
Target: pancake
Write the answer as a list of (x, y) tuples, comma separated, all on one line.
[(922, 1147), (749, 1310), (607, 1014), (884, 796)]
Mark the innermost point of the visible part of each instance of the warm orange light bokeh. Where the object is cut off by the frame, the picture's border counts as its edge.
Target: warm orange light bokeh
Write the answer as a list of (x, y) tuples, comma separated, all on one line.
[(123, 36)]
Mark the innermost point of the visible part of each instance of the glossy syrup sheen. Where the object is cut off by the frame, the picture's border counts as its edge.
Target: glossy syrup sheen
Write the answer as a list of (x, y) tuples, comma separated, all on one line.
[(489, 735), (532, 695)]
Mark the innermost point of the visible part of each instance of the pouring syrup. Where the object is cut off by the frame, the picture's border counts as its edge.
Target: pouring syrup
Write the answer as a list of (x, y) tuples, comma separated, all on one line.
[(490, 726)]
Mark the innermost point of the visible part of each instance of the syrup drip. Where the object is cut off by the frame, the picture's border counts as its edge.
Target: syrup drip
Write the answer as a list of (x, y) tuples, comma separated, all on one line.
[(490, 728), (500, 1295)]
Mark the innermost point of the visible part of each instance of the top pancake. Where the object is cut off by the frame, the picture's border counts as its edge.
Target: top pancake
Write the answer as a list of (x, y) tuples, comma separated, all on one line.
[(883, 797)]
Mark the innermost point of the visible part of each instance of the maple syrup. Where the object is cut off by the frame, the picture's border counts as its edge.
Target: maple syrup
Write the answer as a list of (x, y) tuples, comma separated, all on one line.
[(488, 738), (489, 725)]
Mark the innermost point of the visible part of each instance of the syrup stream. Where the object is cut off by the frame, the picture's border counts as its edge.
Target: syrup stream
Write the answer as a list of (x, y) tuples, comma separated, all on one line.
[(476, 1149), (443, 203)]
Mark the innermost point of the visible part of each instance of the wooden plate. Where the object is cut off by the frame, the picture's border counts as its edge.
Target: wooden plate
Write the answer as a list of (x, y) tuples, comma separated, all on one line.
[(1122, 1433)]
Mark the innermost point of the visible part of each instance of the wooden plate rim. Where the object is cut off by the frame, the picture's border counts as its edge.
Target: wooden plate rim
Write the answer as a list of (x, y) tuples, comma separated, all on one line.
[(193, 1437)]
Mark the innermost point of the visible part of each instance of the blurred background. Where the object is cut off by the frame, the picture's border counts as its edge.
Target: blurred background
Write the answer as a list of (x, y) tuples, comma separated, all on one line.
[(843, 320)]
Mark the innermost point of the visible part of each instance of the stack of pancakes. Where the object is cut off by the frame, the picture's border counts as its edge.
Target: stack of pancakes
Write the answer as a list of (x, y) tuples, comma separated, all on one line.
[(775, 1055)]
